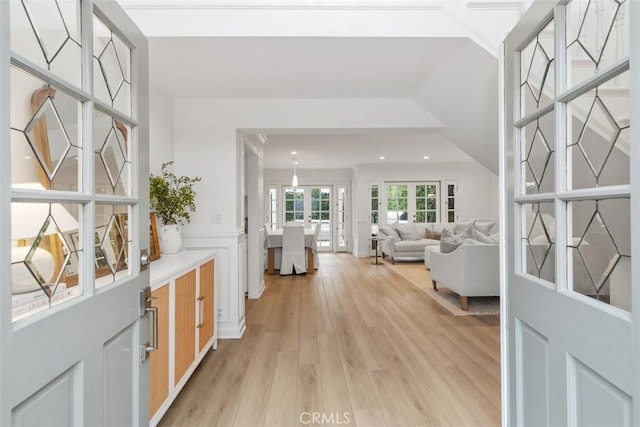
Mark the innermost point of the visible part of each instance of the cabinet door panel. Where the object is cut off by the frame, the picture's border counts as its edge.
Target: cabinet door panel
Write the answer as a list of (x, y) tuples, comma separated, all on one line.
[(159, 359), (208, 304), (185, 316)]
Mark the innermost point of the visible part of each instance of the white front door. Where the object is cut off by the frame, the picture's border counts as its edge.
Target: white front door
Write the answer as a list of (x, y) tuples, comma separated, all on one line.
[(74, 208), (571, 178)]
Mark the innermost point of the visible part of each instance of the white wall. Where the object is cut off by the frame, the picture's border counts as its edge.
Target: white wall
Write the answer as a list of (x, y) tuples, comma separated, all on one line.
[(206, 140), (308, 176), (477, 195), (161, 144), (207, 144)]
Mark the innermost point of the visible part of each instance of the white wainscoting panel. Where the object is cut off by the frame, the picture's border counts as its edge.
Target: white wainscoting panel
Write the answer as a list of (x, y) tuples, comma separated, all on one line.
[(229, 286)]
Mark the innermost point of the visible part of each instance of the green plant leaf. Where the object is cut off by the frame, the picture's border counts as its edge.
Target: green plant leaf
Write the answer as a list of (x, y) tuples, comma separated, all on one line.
[(172, 197)]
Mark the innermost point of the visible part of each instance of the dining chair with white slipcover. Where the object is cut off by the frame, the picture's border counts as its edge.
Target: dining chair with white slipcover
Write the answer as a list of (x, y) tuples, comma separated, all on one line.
[(293, 251), (314, 244)]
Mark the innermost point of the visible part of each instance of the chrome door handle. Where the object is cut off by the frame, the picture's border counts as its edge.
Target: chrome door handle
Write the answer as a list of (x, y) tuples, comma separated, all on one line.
[(146, 308), (154, 328)]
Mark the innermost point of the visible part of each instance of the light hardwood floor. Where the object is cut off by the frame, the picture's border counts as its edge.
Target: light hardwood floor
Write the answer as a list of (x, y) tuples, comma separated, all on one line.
[(355, 342)]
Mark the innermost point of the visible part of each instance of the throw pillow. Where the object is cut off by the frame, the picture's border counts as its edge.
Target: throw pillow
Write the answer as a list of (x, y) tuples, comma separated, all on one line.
[(389, 230), (408, 232), (467, 233), (484, 226), (428, 234), (449, 242), (481, 237), (460, 226)]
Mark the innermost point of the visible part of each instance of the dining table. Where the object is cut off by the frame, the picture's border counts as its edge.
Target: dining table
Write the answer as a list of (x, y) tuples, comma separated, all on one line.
[(275, 241)]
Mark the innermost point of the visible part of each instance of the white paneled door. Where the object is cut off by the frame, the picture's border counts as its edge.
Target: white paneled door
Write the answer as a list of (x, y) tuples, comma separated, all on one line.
[(570, 172), (74, 209), (311, 205)]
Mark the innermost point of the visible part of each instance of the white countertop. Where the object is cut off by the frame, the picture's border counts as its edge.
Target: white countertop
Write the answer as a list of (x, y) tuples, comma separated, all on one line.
[(160, 271)]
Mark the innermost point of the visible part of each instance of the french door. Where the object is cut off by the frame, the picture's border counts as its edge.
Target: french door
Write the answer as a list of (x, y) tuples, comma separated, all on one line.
[(570, 170), (416, 202), (74, 209), (311, 205)]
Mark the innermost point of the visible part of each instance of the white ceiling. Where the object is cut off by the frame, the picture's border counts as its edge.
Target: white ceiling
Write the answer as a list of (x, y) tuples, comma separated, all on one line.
[(279, 67), (295, 67), (340, 150), (446, 76)]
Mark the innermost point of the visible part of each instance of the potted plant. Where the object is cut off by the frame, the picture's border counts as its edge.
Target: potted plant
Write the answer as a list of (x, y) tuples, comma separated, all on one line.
[(173, 200)]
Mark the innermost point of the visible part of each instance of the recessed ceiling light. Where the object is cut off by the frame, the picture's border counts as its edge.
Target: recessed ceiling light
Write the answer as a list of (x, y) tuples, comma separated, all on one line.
[(293, 153), (295, 163), (381, 157), (425, 157)]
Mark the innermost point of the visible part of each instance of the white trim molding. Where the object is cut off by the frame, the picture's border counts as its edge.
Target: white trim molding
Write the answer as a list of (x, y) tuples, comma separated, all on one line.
[(229, 289)]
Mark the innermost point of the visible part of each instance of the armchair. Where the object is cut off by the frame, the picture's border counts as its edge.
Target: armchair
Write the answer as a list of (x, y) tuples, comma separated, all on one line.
[(471, 270)]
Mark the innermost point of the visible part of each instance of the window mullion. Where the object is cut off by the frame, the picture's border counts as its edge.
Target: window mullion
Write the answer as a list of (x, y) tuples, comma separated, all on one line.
[(563, 162), (87, 169)]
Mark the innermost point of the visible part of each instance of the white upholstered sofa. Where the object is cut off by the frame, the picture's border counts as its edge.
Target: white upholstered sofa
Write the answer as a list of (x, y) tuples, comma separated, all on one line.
[(408, 240), (411, 241)]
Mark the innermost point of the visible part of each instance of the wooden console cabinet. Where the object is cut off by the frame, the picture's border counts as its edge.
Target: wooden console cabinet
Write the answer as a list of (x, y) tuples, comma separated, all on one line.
[(183, 288)]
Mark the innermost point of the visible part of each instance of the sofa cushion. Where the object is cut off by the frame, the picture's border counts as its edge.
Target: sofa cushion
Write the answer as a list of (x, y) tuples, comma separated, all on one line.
[(449, 242), (432, 235), (408, 232), (421, 228), (414, 245), (438, 227), (460, 226), (481, 237), (389, 230), (484, 226)]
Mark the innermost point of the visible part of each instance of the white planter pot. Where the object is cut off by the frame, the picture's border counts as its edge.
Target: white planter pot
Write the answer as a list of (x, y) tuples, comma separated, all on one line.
[(170, 239)]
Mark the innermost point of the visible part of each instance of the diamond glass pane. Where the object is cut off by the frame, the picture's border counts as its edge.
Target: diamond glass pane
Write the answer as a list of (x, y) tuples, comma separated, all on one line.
[(47, 32), (44, 256), (112, 68), (112, 243), (538, 240), (45, 128), (537, 155), (599, 136), (112, 158), (597, 36), (600, 248), (537, 79)]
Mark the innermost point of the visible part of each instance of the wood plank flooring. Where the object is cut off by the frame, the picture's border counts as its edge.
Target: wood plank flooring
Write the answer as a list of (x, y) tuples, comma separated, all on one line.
[(356, 343)]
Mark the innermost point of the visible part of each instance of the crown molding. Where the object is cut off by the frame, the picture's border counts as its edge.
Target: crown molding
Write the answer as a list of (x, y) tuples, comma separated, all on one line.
[(231, 5), (496, 5)]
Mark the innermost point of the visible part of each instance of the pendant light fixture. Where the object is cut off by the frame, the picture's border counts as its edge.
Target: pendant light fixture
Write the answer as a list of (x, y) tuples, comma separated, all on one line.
[(294, 181)]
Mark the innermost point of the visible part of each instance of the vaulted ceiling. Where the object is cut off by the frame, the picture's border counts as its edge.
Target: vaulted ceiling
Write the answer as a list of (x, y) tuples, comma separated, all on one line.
[(443, 58)]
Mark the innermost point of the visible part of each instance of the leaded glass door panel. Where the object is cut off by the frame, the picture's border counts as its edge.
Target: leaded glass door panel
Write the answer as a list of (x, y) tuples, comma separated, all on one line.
[(571, 179), (75, 204)]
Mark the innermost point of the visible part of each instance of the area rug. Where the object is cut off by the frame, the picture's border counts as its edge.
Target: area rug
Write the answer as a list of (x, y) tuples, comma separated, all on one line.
[(419, 276)]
